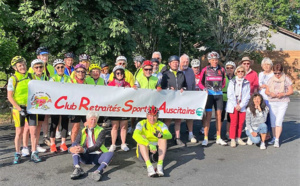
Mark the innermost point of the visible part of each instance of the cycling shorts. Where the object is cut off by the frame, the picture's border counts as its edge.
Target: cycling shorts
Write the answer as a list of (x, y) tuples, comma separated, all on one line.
[(78, 119), (214, 100), (18, 119)]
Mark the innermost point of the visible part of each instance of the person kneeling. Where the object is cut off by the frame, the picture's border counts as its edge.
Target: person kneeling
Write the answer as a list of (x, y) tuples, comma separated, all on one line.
[(150, 133), (89, 148)]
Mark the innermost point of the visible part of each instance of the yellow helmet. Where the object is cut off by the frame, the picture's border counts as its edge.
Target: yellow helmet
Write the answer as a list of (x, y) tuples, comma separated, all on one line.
[(17, 59), (94, 66)]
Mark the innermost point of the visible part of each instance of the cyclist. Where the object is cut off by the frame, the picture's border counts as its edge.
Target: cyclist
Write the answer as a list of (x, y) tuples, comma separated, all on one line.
[(155, 72), (84, 60), (212, 80), (151, 136), (138, 61), (95, 78), (89, 148), (146, 80), (122, 122), (161, 68), (69, 61), (17, 93), (122, 61), (105, 72), (59, 66), (174, 79)]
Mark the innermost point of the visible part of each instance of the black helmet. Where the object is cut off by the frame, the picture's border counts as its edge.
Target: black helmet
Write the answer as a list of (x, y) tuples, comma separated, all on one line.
[(173, 58), (42, 50), (104, 65), (140, 59), (69, 55), (154, 60)]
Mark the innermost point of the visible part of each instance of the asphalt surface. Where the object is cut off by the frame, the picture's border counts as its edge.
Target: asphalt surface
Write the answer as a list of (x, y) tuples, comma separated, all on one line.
[(190, 165)]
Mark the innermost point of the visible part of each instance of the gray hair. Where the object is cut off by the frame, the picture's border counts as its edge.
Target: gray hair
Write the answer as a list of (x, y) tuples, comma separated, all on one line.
[(184, 55), (92, 114), (157, 52), (266, 60)]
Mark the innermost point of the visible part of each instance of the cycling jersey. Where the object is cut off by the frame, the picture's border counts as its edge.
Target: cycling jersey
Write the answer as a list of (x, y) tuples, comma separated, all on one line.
[(138, 73), (92, 81), (58, 78), (50, 70), (212, 79), (146, 82)]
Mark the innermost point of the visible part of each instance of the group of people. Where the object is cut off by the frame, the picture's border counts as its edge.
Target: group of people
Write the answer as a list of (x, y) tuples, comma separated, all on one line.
[(260, 100)]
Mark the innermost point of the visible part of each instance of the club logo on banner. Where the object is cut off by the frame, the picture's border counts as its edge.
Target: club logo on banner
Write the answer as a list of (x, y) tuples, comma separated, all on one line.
[(78, 99)]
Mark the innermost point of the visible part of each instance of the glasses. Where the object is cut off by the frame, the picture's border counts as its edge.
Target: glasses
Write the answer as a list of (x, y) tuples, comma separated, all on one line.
[(148, 69), (119, 73), (60, 67), (122, 64), (229, 68), (277, 73), (39, 67), (79, 71), (240, 72), (246, 63)]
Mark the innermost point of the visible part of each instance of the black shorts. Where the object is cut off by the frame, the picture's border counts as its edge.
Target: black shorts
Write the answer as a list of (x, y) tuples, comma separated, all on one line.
[(153, 157), (118, 118), (214, 100), (78, 119), (35, 118)]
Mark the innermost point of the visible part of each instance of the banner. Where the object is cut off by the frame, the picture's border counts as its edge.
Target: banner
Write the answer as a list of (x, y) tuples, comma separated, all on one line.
[(55, 98)]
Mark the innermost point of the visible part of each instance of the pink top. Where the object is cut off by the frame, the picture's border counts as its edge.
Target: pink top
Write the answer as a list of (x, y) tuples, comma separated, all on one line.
[(119, 84), (287, 83), (253, 79)]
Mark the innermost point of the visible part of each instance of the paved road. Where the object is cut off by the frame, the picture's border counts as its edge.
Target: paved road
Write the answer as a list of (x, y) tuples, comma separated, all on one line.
[(191, 165)]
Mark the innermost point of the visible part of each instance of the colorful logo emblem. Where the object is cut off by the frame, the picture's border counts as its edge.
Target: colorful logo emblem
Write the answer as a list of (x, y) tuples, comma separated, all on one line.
[(40, 100), (199, 111)]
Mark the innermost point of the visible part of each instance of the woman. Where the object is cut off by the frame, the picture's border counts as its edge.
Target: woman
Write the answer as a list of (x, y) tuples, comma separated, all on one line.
[(238, 94), (250, 75), (59, 66), (278, 90), (263, 79), (256, 116), (122, 122), (105, 72)]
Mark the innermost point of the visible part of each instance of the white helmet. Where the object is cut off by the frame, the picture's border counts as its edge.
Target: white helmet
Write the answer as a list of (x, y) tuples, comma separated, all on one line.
[(213, 55), (123, 58), (36, 61), (58, 61), (118, 68), (195, 63), (230, 63)]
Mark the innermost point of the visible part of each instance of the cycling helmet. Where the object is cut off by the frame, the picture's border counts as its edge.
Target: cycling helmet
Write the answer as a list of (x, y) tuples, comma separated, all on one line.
[(84, 57), (118, 68), (152, 110), (213, 55), (17, 59), (104, 65), (69, 55), (58, 61), (230, 63), (139, 59), (147, 63), (123, 58), (154, 60), (173, 58), (42, 50), (195, 63), (94, 66), (79, 66), (36, 61)]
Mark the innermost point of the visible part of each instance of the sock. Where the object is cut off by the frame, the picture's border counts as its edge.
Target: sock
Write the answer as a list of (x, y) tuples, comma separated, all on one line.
[(276, 139), (218, 137), (160, 162), (148, 163), (191, 134), (205, 137)]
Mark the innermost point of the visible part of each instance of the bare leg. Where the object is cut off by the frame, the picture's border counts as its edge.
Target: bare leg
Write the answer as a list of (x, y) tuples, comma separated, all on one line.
[(144, 151), (167, 122), (207, 123), (33, 138), (75, 130), (218, 122), (45, 125), (25, 135), (177, 127), (18, 137), (123, 130), (263, 137), (114, 131), (278, 131), (190, 123), (162, 149), (38, 131)]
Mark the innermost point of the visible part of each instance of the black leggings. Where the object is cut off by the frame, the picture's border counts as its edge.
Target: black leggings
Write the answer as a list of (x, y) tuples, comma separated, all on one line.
[(64, 125)]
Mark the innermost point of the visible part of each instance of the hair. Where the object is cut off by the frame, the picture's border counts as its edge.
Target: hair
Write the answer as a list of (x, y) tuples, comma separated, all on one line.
[(115, 73), (278, 67), (184, 55), (266, 60), (157, 52), (92, 114), (251, 105), (239, 67)]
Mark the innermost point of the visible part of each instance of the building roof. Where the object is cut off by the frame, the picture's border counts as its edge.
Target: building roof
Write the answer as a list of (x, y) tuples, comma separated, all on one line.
[(285, 31)]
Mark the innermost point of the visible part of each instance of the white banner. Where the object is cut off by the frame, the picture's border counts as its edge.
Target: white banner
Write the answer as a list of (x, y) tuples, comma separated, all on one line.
[(78, 99)]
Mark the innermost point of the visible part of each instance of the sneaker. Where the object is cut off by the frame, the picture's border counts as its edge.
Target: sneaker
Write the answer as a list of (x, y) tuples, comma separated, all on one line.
[(233, 143), (151, 171), (202, 130), (192, 139), (17, 158), (112, 148), (40, 149), (204, 142), (69, 133), (77, 173), (221, 142), (249, 142), (272, 141), (63, 147), (58, 135), (276, 144), (129, 130), (53, 148), (262, 146), (240, 141), (124, 147), (25, 152), (95, 175), (160, 170), (35, 157), (178, 142), (47, 141)]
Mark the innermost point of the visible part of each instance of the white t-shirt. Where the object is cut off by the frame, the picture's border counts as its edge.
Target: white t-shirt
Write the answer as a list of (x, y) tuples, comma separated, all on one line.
[(263, 80)]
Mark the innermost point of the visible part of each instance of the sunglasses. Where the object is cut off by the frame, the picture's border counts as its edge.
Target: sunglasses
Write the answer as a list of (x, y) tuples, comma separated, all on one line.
[(231, 68), (240, 72), (246, 63), (119, 73), (79, 71), (148, 69), (277, 73), (122, 64), (39, 67), (60, 67)]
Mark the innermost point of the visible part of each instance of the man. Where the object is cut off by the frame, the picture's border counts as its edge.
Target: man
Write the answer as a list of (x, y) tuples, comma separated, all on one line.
[(95, 78), (146, 80), (162, 68), (155, 72), (212, 80), (151, 136), (84, 59), (89, 148), (138, 61), (69, 61), (190, 82), (122, 61), (251, 75), (174, 80), (195, 63), (105, 72)]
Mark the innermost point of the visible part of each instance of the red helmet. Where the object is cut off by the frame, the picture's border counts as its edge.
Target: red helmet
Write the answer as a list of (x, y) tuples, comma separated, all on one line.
[(152, 110), (147, 63)]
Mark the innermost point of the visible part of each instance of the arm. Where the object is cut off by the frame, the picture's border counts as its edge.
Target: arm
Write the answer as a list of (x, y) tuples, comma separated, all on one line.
[(12, 100), (248, 120), (245, 99), (202, 79), (137, 84), (164, 81), (230, 94), (224, 78), (166, 133), (137, 135), (255, 83)]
